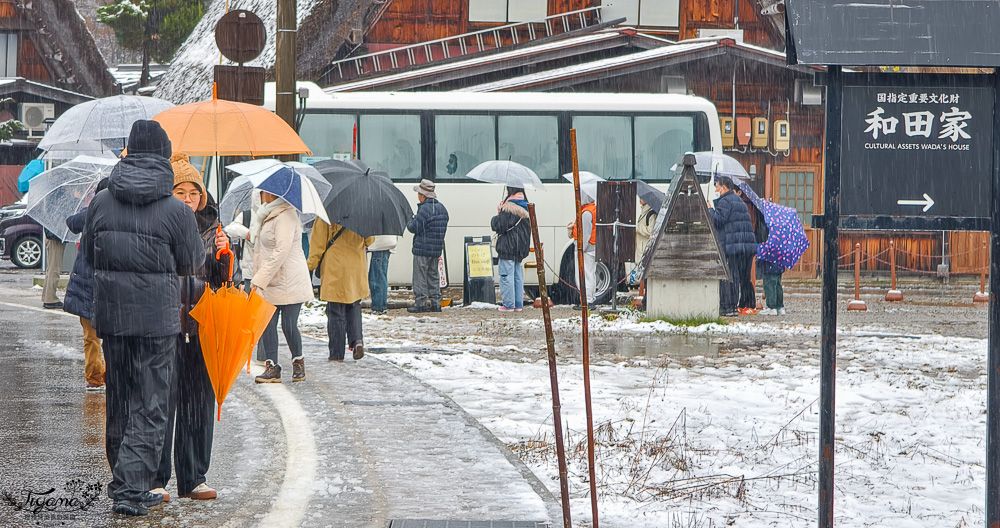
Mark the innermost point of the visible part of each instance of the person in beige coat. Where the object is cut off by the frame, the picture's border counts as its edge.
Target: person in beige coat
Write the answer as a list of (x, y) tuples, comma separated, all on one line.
[(340, 255), (281, 277)]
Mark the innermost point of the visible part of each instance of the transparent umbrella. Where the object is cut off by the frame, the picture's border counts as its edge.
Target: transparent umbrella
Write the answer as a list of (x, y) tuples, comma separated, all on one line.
[(708, 163), (508, 173), (100, 125), (588, 183), (299, 184), (63, 191)]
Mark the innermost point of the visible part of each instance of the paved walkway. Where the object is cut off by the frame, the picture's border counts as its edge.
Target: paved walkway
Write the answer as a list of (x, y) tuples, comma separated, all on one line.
[(358, 444)]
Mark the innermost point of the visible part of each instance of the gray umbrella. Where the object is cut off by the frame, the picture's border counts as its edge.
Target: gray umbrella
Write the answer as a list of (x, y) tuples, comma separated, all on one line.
[(61, 192), (363, 200), (649, 194)]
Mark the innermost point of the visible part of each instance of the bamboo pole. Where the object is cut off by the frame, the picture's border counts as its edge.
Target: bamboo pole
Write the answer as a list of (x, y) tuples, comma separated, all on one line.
[(584, 327), (550, 344)]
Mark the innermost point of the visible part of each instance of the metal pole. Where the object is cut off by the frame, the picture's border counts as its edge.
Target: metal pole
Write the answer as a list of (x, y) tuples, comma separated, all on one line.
[(584, 326), (550, 344), (993, 361), (828, 329), (857, 271), (892, 258)]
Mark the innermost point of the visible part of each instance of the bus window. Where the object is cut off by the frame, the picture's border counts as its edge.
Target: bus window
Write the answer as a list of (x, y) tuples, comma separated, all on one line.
[(462, 142), (658, 142), (391, 143), (532, 141), (328, 135), (604, 145)]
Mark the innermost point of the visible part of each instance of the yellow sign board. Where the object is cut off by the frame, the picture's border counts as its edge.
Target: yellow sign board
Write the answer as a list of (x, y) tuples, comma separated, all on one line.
[(480, 260)]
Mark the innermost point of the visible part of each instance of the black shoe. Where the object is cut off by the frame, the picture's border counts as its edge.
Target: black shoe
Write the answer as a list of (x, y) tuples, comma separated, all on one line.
[(419, 309), (434, 307), (58, 305), (732, 313), (129, 508), (298, 370), (151, 499), (359, 351), (272, 373)]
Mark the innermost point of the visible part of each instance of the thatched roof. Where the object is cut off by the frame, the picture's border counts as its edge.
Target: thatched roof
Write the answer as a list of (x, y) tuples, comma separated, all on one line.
[(72, 55), (323, 27)]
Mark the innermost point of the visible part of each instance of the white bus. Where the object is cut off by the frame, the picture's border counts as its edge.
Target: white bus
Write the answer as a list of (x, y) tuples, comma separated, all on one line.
[(442, 135)]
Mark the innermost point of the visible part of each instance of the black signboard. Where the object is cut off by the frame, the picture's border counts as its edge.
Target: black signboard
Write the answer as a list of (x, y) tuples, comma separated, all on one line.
[(894, 33), (916, 151)]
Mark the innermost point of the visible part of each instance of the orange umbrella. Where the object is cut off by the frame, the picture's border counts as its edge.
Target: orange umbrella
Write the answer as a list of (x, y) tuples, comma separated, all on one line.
[(227, 128), (230, 322)]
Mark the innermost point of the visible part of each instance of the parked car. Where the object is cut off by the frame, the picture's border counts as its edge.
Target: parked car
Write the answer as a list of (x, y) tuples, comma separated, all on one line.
[(20, 237)]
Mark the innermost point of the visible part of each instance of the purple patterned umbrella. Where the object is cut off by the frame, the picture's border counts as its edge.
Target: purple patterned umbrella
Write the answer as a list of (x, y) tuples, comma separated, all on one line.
[(786, 240)]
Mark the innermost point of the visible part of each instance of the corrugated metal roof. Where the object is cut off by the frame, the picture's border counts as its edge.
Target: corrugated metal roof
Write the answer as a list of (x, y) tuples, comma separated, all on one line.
[(476, 60), (588, 67)]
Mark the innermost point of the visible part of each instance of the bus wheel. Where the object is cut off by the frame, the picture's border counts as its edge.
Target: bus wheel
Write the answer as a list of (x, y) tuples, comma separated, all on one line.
[(568, 274)]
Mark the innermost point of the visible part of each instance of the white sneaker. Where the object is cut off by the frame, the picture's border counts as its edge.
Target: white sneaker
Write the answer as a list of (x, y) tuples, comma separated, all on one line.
[(781, 311), (161, 491), (768, 311)]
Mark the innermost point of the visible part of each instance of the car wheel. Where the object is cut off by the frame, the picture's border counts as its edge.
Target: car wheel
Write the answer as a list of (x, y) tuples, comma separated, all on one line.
[(27, 252)]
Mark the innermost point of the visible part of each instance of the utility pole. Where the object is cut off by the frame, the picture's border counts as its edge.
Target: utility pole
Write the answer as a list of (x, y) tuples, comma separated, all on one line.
[(284, 65)]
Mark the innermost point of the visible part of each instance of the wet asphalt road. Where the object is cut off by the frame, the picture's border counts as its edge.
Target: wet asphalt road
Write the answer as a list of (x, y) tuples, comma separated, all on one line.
[(356, 445)]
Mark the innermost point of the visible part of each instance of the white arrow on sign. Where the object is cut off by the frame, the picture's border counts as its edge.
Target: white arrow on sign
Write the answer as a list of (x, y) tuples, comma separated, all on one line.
[(926, 202)]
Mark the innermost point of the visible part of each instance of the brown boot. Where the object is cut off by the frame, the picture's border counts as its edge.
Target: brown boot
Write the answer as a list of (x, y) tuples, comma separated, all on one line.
[(298, 370), (359, 351), (272, 373)]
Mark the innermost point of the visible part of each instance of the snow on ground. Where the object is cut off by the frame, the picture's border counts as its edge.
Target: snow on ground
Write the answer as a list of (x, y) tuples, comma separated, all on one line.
[(732, 441)]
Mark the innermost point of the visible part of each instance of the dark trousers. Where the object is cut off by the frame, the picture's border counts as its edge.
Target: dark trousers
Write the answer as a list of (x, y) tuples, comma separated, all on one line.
[(378, 280), (774, 294), (138, 377), (289, 314), (426, 281), (192, 401), (343, 320), (729, 291), (748, 297)]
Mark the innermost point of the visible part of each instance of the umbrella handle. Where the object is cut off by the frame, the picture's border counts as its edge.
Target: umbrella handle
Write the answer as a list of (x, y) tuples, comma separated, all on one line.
[(225, 251)]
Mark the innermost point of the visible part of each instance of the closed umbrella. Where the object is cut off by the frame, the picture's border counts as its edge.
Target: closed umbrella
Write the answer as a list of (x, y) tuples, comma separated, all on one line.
[(508, 173), (230, 322), (63, 191), (363, 200), (101, 125), (786, 240), (238, 196)]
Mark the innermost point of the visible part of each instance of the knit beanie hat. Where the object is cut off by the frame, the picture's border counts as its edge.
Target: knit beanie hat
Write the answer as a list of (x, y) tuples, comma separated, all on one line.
[(185, 172), (148, 137)]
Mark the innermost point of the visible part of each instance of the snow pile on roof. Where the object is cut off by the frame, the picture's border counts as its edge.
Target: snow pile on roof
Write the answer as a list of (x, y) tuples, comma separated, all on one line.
[(190, 76)]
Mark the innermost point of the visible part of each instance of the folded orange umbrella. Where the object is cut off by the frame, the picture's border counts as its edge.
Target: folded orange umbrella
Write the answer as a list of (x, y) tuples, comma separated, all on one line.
[(230, 322), (227, 128)]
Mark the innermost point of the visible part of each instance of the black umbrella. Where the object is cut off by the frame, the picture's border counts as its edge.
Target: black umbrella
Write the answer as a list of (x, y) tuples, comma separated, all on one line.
[(651, 195), (363, 200)]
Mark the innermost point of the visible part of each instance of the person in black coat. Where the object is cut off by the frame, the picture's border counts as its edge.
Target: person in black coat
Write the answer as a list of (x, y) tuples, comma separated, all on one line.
[(192, 398), (79, 301), (138, 239), (513, 242), (732, 222)]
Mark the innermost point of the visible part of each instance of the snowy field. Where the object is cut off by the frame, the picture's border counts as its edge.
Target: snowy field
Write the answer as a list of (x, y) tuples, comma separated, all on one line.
[(733, 440)]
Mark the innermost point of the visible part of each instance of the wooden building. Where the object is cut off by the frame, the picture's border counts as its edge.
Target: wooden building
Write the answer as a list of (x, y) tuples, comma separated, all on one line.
[(48, 63)]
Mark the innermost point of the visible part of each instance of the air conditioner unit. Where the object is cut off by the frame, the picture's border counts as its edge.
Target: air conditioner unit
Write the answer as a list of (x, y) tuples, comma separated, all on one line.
[(33, 116)]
